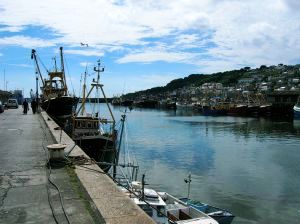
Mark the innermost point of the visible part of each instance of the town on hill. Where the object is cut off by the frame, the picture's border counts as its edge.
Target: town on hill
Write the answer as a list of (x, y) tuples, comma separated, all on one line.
[(273, 86)]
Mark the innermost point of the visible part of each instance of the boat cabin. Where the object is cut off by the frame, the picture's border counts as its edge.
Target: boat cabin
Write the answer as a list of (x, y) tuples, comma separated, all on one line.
[(55, 85)]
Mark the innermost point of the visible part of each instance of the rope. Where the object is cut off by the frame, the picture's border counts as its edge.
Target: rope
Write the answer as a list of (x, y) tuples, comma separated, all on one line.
[(50, 181), (68, 72)]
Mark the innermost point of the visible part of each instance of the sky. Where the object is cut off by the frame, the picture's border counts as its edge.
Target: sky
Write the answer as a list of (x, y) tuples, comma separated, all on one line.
[(143, 44)]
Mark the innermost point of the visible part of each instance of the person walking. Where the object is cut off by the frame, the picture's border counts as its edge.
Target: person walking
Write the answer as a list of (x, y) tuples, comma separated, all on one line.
[(25, 107), (33, 106)]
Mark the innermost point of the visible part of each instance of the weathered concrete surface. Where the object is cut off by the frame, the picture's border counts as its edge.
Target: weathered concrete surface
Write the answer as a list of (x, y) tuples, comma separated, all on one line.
[(114, 206), (23, 176)]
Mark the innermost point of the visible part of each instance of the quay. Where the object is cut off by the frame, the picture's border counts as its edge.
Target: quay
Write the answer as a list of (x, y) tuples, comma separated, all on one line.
[(83, 193)]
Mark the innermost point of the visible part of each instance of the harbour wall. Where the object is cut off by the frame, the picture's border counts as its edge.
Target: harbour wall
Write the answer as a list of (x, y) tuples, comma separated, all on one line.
[(114, 206)]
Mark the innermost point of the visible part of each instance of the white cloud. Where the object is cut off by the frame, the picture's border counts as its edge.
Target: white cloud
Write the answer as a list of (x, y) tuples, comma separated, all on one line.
[(21, 65), (241, 32), (25, 41), (85, 52), (84, 64), (158, 54)]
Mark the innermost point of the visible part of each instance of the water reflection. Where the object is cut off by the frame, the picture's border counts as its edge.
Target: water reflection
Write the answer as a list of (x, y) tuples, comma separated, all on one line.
[(247, 165)]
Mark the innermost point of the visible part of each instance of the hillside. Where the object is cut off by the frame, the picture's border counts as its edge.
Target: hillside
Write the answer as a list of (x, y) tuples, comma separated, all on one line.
[(227, 78)]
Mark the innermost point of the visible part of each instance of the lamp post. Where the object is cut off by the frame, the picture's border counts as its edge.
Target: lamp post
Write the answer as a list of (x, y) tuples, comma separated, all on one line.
[(37, 94)]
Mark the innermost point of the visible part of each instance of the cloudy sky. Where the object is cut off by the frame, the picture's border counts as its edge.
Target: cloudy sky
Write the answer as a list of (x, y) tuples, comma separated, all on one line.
[(147, 43)]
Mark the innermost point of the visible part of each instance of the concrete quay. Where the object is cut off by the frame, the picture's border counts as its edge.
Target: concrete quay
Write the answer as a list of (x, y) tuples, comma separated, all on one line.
[(26, 195)]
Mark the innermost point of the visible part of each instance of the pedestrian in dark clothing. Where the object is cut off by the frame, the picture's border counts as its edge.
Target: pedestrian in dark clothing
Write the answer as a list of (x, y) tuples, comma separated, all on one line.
[(25, 107), (33, 106)]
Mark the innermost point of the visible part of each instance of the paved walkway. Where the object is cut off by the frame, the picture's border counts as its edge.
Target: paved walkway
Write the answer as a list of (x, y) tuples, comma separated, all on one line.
[(24, 195)]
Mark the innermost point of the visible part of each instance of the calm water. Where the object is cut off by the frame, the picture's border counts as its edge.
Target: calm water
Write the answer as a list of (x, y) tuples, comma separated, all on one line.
[(249, 166)]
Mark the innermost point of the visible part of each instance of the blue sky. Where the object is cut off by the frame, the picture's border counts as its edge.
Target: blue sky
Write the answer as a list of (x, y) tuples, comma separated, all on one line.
[(144, 44)]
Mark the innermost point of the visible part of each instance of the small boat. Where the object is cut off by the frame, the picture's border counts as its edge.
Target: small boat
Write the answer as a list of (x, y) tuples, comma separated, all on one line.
[(55, 99), (296, 109), (184, 106), (221, 215), (164, 208)]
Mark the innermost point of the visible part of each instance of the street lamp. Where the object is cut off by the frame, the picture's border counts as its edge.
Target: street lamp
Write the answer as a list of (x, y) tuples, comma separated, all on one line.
[(37, 93)]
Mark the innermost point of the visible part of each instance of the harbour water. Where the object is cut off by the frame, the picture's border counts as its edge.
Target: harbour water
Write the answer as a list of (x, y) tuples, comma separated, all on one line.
[(249, 166)]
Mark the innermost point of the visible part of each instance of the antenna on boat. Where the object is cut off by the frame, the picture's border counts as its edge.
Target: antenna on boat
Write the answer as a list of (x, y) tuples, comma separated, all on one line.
[(188, 180), (55, 65)]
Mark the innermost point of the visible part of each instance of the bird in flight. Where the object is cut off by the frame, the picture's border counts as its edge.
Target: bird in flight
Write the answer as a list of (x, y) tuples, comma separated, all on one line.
[(82, 44)]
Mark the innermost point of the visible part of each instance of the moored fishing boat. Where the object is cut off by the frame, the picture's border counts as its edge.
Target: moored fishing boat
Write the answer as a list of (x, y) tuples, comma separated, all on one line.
[(265, 110), (238, 110), (96, 135), (55, 99), (215, 109)]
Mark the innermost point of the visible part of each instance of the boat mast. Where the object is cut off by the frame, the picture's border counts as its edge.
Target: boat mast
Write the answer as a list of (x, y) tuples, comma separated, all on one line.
[(33, 56), (119, 146), (63, 69), (83, 92), (98, 70)]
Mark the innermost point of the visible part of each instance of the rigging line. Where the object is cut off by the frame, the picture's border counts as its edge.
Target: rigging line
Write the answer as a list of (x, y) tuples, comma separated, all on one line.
[(68, 72), (126, 178), (42, 63)]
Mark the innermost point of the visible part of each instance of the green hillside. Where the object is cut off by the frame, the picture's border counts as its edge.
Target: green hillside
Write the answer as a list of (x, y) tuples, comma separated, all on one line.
[(227, 78)]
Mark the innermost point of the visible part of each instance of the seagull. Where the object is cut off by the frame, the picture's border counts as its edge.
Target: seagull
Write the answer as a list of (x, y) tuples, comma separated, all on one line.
[(82, 44)]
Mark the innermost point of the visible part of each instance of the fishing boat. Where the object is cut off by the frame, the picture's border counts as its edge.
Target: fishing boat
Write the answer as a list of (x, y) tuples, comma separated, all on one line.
[(220, 215), (296, 109), (184, 105), (214, 108), (265, 110), (237, 110), (95, 134), (55, 99)]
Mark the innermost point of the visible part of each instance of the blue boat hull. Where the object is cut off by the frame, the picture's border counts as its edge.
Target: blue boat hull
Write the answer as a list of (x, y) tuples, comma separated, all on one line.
[(220, 215), (297, 112)]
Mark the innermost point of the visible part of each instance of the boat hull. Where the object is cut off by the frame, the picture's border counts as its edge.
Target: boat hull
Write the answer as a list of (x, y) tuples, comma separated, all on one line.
[(212, 111), (296, 112), (238, 110), (60, 107), (101, 150), (220, 215)]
